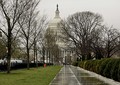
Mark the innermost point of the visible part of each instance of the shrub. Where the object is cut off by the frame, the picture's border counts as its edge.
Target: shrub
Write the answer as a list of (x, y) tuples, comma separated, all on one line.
[(108, 67), (16, 66), (86, 65), (93, 65), (81, 64), (107, 70), (98, 65), (103, 65), (75, 63), (119, 72), (114, 70)]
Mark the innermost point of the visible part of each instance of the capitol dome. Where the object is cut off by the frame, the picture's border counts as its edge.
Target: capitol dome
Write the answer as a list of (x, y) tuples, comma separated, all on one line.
[(56, 32), (54, 27), (56, 20)]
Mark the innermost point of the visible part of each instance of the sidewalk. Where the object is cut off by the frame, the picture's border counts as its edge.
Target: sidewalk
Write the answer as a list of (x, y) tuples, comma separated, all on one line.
[(65, 77), (70, 75)]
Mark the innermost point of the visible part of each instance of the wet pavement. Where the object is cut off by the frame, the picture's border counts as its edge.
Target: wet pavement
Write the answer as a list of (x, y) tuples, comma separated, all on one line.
[(70, 75)]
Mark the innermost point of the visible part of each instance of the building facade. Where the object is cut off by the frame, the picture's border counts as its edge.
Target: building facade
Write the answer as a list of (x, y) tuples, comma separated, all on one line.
[(65, 54)]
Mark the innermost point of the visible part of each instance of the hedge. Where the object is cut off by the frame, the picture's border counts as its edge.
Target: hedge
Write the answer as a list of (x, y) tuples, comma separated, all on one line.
[(108, 67), (20, 66), (119, 72)]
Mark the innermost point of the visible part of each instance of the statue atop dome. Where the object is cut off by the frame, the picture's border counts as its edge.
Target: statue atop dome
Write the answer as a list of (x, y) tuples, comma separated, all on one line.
[(57, 12), (57, 7)]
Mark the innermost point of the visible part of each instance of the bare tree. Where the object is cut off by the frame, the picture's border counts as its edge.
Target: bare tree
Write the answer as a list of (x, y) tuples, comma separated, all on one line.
[(80, 27), (112, 41), (50, 41), (39, 27), (97, 44), (27, 23), (11, 11)]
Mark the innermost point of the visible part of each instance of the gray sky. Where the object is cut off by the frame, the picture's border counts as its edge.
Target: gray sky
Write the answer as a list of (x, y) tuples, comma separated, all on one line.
[(109, 9)]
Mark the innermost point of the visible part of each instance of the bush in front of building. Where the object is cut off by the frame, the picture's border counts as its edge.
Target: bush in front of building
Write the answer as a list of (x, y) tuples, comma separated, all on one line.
[(15, 66), (98, 65), (87, 65), (107, 67), (114, 70), (81, 64), (75, 63), (102, 66), (119, 72)]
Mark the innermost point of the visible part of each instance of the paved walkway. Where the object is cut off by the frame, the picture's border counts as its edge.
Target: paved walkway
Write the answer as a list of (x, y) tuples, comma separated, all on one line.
[(65, 77), (70, 75)]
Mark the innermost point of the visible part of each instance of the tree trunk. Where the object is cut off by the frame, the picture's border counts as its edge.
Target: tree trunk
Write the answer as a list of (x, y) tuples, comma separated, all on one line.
[(49, 56), (28, 56), (8, 66), (36, 59), (34, 52), (43, 51), (9, 49)]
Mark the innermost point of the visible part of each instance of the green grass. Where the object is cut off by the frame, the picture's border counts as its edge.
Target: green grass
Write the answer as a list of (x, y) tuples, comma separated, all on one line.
[(34, 76)]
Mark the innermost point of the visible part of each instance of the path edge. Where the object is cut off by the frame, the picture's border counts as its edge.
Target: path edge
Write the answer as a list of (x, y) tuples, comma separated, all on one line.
[(106, 80)]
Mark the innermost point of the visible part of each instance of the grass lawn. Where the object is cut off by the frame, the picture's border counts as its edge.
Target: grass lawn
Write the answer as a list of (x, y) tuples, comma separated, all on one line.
[(34, 76)]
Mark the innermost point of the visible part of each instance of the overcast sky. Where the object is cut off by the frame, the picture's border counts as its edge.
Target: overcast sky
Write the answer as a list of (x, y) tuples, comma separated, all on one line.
[(109, 9)]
